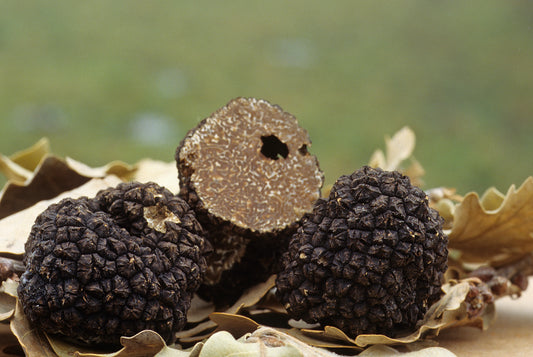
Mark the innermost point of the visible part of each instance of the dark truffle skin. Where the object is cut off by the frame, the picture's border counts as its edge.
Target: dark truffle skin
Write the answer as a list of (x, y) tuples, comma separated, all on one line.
[(98, 269), (246, 172), (370, 259)]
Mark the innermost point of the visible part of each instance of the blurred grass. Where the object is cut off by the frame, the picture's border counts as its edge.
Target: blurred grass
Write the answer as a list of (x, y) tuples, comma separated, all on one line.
[(93, 75)]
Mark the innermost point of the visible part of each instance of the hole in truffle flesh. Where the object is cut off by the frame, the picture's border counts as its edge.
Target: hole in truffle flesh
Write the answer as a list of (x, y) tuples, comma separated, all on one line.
[(303, 150), (273, 148)]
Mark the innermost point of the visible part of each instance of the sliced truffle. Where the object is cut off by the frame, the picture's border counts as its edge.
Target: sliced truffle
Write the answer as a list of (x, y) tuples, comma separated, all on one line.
[(370, 259), (247, 173), (98, 269)]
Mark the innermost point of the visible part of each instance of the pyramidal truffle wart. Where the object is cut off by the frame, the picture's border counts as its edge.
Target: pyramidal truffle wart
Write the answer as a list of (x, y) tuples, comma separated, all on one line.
[(127, 260), (247, 173), (370, 259)]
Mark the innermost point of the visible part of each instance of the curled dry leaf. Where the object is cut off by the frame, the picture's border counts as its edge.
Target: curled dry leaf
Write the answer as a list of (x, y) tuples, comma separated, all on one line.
[(163, 173), (35, 174), (52, 177), (7, 306), (146, 343), (33, 342), (8, 299), (14, 229), (224, 344), (10, 268), (199, 310), (19, 167), (496, 229), (249, 298), (273, 338), (9, 346), (117, 168), (444, 200), (450, 310), (9, 287), (237, 325), (397, 149)]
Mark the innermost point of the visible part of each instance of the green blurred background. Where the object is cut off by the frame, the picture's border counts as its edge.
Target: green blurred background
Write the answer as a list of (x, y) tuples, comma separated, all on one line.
[(108, 80)]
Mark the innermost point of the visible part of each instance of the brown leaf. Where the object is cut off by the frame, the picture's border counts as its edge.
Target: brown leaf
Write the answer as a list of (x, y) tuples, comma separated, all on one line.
[(270, 337), (163, 173), (8, 299), (35, 174), (52, 177), (7, 306), (20, 166), (9, 287), (31, 157), (496, 228), (398, 149), (197, 330), (272, 303), (320, 340), (249, 298), (33, 342), (252, 295), (146, 343), (12, 171), (9, 345), (14, 229), (117, 168), (199, 310), (237, 325), (448, 311)]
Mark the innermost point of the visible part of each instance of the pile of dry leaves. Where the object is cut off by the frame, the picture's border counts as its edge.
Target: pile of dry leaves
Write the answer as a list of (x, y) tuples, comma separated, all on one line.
[(491, 256)]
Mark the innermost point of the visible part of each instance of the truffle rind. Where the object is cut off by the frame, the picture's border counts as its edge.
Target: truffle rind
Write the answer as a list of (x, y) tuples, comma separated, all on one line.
[(370, 259), (127, 260)]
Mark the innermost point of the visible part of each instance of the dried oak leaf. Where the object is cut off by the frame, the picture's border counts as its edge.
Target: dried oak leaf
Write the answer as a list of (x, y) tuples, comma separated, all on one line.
[(199, 310), (449, 311), (52, 177), (35, 174), (224, 344), (146, 343), (145, 170), (15, 228), (7, 306), (249, 298), (9, 345), (399, 148), (8, 298), (20, 166), (32, 341), (495, 228)]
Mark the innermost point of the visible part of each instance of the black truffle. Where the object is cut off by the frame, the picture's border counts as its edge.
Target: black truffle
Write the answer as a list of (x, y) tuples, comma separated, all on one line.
[(370, 259), (247, 173), (98, 269)]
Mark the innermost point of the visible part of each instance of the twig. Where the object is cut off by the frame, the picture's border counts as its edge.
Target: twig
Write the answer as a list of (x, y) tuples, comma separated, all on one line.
[(10, 268)]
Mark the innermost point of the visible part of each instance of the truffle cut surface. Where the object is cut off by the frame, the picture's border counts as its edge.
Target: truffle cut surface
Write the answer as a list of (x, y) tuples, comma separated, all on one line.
[(248, 164)]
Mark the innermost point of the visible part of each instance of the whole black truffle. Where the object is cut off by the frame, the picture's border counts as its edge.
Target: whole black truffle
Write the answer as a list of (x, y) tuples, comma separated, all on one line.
[(98, 269), (246, 172), (370, 259)]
